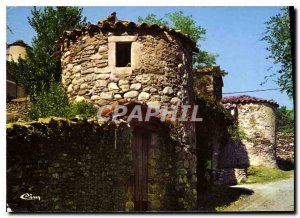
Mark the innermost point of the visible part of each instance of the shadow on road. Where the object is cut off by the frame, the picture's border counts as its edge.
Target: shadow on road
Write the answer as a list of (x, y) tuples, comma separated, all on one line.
[(221, 196)]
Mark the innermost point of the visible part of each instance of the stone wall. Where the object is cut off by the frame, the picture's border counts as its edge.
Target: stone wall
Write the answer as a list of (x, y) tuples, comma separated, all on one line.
[(160, 71), (208, 81), (72, 165), (229, 176), (232, 155), (77, 165), (258, 122), (17, 109), (285, 149)]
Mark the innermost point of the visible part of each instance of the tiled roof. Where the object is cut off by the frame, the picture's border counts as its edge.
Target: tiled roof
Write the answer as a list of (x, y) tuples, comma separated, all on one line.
[(247, 99), (112, 23)]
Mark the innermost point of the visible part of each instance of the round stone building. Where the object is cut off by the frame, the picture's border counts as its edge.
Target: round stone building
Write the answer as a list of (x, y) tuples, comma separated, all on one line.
[(123, 60), (144, 64), (256, 117)]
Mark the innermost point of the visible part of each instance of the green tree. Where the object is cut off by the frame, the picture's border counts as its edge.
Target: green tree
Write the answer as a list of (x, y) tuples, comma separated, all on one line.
[(278, 36), (285, 119), (41, 68), (187, 25)]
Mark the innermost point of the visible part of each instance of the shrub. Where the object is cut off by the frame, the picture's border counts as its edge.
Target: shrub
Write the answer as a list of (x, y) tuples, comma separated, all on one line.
[(82, 108), (236, 134), (54, 102), (285, 119)]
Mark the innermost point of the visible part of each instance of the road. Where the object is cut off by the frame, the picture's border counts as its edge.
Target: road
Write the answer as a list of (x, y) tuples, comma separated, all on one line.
[(275, 196)]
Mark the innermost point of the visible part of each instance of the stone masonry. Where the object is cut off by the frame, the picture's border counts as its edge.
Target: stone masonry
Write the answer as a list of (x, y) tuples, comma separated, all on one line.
[(256, 118), (159, 71)]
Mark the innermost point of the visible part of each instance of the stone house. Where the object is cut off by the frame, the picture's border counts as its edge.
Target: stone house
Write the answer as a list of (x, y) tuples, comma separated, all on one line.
[(14, 51), (151, 65)]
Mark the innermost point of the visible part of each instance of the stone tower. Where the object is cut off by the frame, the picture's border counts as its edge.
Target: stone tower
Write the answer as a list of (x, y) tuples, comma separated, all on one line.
[(144, 64), (123, 60), (256, 117)]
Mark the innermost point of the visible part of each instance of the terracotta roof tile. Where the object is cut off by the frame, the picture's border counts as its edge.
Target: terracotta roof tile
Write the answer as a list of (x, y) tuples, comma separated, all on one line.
[(247, 99), (112, 23)]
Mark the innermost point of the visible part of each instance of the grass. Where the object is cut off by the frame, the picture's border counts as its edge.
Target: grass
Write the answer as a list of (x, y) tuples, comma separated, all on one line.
[(260, 174)]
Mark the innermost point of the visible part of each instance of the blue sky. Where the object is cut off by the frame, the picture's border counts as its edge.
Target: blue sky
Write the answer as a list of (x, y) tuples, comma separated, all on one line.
[(232, 32)]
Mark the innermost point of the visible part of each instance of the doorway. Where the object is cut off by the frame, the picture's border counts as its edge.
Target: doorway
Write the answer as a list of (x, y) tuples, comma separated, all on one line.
[(140, 146)]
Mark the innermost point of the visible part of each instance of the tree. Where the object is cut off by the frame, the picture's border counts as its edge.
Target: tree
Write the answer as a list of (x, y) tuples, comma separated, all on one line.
[(278, 36), (187, 25), (285, 119), (40, 69)]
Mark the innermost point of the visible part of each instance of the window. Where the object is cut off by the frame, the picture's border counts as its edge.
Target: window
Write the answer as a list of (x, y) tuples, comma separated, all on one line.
[(123, 54)]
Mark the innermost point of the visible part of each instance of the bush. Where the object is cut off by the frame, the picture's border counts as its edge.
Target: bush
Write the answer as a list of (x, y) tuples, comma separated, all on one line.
[(54, 102), (82, 108), (285, 119), (236, 134)]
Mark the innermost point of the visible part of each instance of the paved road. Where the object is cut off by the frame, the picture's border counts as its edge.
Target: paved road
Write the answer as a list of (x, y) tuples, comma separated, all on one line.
[(275, 196)]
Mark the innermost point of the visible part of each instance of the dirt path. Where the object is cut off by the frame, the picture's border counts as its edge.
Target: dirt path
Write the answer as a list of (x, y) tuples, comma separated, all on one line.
[(275, 196)]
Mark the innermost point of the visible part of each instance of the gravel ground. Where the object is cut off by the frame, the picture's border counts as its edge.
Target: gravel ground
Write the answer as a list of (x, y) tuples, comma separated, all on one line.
[(275, 196)]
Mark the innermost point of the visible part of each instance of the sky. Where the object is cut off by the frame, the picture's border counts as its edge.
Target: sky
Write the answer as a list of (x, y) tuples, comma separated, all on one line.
[(232, 32)]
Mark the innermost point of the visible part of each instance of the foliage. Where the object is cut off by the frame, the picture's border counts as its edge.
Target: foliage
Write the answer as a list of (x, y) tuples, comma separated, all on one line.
[(285, 119), (187, 25), (260, 174), (82, 108), (216, 120), (204, 59), (236, 134), (54, 102), (200, 84), (278, 36), (41, 68), (151, 19), (213, 111)]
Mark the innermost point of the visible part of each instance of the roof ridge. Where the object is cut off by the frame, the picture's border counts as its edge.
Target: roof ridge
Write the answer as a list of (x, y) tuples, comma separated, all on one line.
[(113, 23), (247, 99)]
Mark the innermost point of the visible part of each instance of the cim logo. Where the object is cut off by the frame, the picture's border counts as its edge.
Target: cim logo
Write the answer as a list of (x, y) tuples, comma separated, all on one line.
[(30, 197)]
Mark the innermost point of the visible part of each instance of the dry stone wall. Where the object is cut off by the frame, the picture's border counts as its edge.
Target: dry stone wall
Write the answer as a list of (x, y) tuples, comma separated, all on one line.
[(160, 72)]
